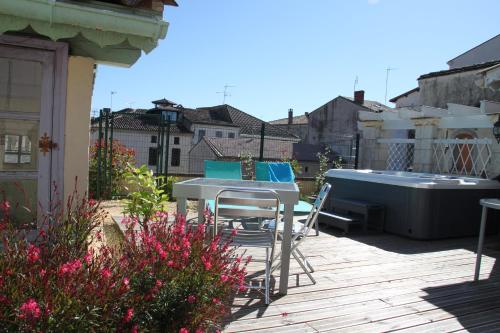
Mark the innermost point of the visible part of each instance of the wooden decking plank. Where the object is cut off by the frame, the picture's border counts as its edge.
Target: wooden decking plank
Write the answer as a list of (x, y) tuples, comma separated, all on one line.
[(377, 282), (468, 322), (353, 311)]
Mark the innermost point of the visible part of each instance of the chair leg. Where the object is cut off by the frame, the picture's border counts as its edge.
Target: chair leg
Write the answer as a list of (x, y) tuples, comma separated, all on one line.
[(304, 258), (304, 268), (316, 226), (268, 276)]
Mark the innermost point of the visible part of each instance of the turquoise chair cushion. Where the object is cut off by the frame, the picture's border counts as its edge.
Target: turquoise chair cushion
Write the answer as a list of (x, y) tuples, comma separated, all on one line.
[(223, 170), (281, 172), (262, 172)]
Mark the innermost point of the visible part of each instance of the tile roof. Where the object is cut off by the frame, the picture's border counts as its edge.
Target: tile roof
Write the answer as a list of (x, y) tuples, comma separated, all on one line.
[(297, 120), (371, 105), (405, 94), (459, 70), (139, 120), (248, 124), (233, 148), (309, 152)]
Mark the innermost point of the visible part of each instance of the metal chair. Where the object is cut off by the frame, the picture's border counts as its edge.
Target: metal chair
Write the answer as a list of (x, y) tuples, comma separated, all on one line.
[(239, 203), (300, 232)]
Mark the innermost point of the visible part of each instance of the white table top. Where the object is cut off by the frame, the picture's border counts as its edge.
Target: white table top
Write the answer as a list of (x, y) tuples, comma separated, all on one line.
[(490, 203), (207, 188)]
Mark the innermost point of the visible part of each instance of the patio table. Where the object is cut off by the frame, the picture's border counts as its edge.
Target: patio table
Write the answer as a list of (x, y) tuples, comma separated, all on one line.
[(207, 188), (486, 203)]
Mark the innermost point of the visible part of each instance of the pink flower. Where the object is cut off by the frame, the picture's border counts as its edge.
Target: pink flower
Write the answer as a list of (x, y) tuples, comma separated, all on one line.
[(234, 232), (170, 263), (88, 258), (191, 299), (33, 253), (42, 272), (106, 273), (134, 329), (29, 310), (126, 283), (224, 277), (183, 330), (70, 267), (4, 206), (128, 315)]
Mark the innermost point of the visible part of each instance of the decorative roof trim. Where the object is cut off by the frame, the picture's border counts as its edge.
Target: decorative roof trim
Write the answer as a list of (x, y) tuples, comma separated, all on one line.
[(101, 23)]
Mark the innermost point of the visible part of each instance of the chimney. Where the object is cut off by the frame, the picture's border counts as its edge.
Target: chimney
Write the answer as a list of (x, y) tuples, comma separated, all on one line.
[(290, 116), (359, 97), (306, 114)]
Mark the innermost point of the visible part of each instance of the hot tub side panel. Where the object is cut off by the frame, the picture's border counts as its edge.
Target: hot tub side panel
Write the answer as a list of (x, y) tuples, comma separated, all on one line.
[(421, 213)]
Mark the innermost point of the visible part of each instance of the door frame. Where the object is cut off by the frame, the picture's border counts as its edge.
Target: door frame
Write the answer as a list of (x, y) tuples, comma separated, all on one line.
[(60, 51)]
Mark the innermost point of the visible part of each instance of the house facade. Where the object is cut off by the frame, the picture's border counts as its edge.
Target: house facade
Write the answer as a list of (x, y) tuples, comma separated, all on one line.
[(449, 129), (484, 52), (193, 135), (334, 124), (48, 54)]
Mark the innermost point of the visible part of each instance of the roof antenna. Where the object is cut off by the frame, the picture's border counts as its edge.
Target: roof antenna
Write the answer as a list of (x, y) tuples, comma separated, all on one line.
[(388, 70), (355, 82), (225, 93)]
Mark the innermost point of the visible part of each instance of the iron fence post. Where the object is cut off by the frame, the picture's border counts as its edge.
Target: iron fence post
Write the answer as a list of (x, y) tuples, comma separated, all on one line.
[(112, 121), (167, 152), (99, 136), (262, 132), (105, 155), (356, 156)]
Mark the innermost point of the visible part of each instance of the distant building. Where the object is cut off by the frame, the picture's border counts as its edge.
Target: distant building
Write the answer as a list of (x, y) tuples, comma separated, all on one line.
[(333, 124), (484, 52), (191, 129), (410, 98)]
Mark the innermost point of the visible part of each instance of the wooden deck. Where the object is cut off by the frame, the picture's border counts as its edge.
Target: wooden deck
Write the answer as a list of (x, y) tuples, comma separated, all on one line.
[(379, 283)]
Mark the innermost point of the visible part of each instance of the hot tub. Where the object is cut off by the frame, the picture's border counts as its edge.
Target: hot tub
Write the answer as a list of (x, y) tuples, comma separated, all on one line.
[(420, 205)]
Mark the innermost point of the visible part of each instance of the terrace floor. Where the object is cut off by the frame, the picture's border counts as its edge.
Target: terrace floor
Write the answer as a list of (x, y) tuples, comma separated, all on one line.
[(379, 283)]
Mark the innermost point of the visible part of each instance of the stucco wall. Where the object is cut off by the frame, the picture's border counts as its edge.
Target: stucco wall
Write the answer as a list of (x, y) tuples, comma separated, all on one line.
[(140, 142), (460, 88), (77, 122), (412, 99), (336, 118), (210, 131)]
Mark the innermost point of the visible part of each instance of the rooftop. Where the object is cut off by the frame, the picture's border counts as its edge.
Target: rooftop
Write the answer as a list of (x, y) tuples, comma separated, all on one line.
[(234, 148), (459, 70), (371, 105), (405, 94), (297, 120)]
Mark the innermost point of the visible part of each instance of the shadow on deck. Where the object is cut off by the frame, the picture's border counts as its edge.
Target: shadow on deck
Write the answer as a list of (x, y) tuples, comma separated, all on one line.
[(378, 282)]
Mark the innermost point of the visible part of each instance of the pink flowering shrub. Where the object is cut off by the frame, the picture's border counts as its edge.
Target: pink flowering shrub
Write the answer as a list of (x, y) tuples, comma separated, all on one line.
[(168, 278)]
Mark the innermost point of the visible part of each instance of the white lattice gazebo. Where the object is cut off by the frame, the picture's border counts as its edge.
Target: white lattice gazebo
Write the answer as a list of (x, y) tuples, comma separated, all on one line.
[(456, 140)]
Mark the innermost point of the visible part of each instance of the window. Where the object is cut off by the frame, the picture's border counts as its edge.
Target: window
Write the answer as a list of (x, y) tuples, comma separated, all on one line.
[(201, 134), (306, 169), (153, 138), (176, 157), (176, 140), (230, 135), (17, 149), (153, 156), (218, 134)]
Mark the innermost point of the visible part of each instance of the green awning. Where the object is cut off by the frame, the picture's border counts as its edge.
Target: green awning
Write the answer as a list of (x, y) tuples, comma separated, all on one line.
[(106, 32)]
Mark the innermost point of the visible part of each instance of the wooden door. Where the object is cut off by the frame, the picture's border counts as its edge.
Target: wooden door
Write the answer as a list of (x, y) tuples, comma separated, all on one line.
[(26, 127)]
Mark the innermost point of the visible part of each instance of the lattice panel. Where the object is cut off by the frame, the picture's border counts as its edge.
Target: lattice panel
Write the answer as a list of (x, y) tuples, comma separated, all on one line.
[(401, 154), (469, 157)]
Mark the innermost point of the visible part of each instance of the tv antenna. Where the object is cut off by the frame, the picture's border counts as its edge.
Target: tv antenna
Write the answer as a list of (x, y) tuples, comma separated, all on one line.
[(225, 93), (388, 70), (355, 82)]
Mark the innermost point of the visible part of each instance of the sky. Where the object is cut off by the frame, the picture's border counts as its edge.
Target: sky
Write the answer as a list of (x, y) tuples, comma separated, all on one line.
[(281, 54)]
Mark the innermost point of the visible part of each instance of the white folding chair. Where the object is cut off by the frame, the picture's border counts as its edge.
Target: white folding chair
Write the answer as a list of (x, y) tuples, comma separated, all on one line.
[(300, 232), (240, 203)]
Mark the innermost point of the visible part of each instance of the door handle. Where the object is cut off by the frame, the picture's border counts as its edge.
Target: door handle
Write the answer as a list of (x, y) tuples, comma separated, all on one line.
[(46, 144)]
